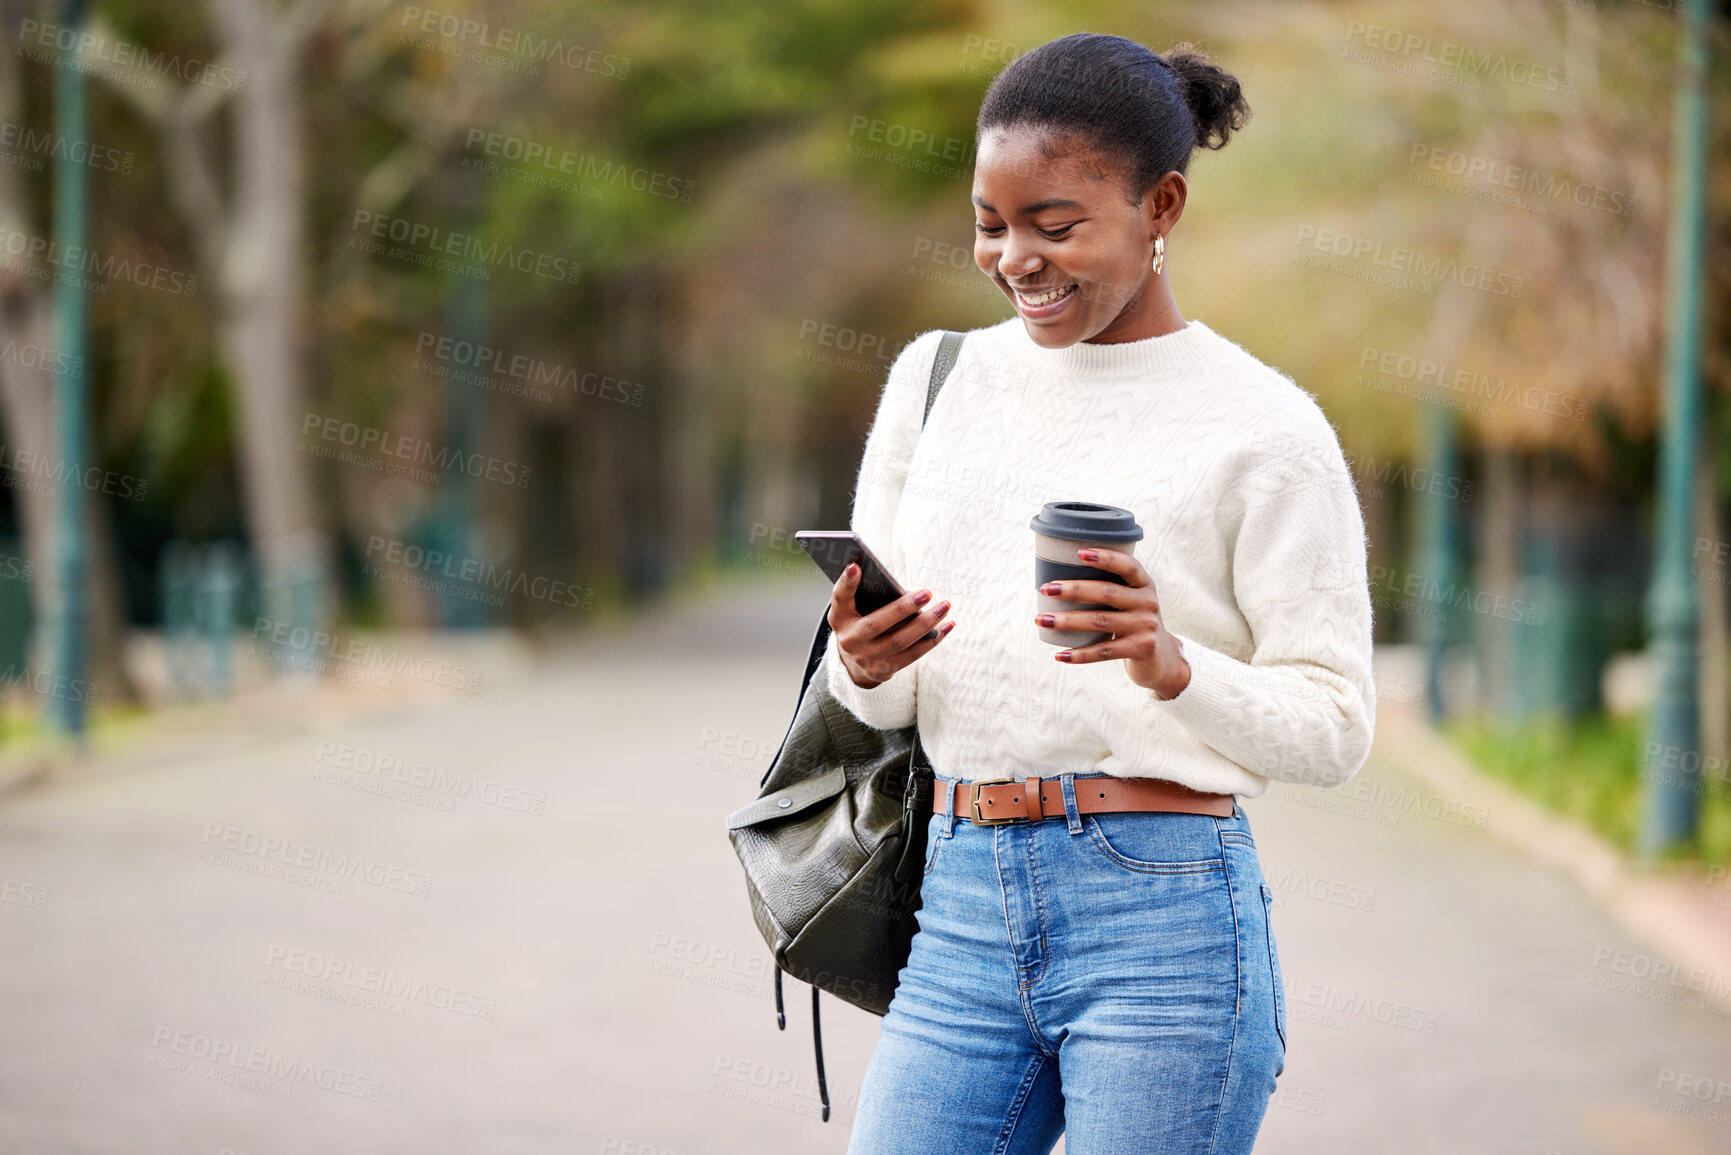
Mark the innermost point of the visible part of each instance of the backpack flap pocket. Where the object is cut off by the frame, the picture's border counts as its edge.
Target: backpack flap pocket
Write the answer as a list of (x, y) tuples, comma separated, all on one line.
[(791, 799)]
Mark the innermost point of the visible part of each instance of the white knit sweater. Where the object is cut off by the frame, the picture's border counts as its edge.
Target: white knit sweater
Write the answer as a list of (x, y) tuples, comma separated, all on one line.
[(1254, 540)]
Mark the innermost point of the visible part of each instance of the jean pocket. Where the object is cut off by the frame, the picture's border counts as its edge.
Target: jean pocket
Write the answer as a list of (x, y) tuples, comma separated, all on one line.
[(1157, 841), (1274, 966)]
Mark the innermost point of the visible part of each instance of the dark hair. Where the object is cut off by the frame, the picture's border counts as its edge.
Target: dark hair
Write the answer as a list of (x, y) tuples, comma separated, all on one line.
[(1147, 110)]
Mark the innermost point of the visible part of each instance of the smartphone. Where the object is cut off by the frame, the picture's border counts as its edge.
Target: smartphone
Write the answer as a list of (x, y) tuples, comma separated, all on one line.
[(833, 549)]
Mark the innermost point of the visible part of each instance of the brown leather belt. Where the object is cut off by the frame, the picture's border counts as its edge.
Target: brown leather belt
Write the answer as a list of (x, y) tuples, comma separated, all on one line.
[(995, 801)]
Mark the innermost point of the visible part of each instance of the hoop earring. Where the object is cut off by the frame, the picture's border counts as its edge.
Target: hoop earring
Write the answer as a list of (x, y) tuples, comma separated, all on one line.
[(1159, 254)]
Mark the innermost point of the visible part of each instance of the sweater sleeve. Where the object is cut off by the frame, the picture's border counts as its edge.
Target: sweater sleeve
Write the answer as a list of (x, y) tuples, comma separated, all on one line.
[(883, 475), (1302, 708)]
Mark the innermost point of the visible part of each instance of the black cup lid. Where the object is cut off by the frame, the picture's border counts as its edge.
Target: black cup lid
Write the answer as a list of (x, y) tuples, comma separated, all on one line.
[(1086, 521)]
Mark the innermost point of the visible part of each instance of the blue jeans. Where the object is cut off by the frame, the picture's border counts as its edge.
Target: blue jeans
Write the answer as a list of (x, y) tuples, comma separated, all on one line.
[(1108, 977)]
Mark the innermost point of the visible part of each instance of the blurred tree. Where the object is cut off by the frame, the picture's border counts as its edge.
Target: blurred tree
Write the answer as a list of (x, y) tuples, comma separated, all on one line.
[(249, 235)]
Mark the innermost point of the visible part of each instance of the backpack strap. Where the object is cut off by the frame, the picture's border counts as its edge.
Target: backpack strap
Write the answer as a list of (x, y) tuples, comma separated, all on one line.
[(949, 347)]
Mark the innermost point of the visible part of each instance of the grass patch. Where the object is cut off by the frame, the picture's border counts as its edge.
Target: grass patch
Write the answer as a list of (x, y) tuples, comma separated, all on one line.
[(1589, 771)]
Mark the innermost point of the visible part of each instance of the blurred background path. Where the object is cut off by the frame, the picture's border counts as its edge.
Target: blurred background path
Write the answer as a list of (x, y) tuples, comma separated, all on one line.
[(582, 973)]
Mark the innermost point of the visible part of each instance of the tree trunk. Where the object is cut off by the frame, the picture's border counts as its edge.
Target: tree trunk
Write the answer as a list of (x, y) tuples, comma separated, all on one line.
[(691, 464), (260, 278), (27, 402)]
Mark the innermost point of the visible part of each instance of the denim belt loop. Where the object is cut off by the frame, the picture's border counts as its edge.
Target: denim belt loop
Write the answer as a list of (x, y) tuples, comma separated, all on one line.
[(948, 813), (1067, 780)]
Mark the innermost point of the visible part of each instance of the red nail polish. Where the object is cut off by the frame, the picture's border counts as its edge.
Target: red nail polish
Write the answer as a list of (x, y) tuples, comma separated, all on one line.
[(1088, 554), (1063, 655), (1045, 620)]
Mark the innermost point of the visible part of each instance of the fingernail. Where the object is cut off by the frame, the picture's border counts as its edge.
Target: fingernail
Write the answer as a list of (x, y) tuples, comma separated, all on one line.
[(1044, 620), (946, 628), (922, 597), (1050, 589), (1063, 655), (941, 609), (1088, 554), (852, 569)]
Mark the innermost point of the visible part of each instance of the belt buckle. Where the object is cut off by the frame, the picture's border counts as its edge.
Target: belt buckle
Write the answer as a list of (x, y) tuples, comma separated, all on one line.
[(974, 803)]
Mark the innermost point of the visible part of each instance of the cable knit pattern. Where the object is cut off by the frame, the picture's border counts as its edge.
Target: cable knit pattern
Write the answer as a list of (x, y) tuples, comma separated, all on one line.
[(1254, 540)]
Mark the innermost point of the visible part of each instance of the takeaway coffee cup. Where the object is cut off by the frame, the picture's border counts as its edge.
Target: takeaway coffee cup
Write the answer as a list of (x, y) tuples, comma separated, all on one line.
[(1060, 529)]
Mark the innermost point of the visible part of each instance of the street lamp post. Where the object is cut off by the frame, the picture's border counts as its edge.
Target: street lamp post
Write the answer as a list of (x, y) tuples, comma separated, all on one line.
[(69, 627), (1438, 555), (455, 520), (1672, 758)]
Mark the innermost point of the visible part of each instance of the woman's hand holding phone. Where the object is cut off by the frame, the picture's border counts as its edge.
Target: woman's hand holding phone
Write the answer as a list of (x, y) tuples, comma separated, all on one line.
[(874, 646)]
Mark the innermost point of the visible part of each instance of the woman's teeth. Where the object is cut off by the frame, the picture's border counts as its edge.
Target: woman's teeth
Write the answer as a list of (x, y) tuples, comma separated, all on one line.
[(1046, 298)]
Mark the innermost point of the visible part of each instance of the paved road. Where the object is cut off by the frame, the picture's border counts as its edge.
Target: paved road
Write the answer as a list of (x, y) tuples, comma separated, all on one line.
[(581, 975)]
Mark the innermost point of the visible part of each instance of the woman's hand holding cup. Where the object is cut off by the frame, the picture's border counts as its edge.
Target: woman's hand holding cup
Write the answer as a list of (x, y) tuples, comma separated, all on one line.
[(1151, 655), (874, 646), (1115, 615)]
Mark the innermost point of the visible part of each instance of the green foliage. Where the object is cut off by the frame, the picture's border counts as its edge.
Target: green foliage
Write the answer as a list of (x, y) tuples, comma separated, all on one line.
[(704, 70), (1590, 772)]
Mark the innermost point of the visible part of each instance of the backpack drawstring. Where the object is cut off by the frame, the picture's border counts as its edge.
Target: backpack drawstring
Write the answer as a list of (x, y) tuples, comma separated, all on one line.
[(816, 1039), (817, 1049)]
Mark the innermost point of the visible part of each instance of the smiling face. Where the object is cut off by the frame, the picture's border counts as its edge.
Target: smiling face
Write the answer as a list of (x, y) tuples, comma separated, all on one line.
[(1063, 241)]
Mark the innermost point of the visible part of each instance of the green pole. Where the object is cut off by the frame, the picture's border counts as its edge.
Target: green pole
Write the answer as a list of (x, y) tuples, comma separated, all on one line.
[(1437, 548), (66, 706), (1673, 752), (458, 521), (455, 525)]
